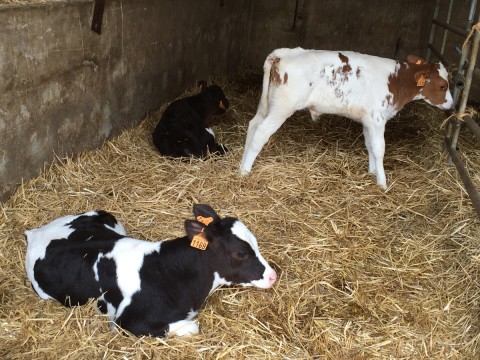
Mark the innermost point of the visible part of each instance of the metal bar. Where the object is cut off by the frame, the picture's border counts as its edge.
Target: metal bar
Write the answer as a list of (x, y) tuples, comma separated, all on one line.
[(453, 128), (471, 14), (467, 182), (464, 54), (432, 30), (445, 32), (466, 89), (471, 67), (438, 55), (452, 28)]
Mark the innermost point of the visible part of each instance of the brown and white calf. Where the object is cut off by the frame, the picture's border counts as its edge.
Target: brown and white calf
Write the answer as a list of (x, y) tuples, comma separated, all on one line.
[(364, 88)]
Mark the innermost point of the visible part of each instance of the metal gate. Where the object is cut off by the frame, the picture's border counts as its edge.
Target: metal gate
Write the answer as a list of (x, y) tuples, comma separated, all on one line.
[(462, 80)]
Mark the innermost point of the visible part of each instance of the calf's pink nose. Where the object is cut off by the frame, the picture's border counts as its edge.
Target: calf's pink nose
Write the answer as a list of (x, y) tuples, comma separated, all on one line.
[(272, 277)]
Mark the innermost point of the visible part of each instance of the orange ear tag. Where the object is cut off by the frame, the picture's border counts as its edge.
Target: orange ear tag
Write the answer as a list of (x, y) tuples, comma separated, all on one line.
[(421, 80), (199, 241), (203, 220), (418, 62)]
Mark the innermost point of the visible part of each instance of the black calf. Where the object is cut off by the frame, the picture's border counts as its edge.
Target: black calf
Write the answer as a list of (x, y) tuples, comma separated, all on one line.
[(182, 130)]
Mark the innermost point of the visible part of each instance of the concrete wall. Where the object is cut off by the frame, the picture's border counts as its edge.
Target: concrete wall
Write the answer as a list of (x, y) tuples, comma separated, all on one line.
[(65, 89), (371, 26)]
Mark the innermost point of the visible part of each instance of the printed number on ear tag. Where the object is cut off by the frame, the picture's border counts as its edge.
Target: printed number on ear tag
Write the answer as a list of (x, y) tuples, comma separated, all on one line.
[(199, 242)]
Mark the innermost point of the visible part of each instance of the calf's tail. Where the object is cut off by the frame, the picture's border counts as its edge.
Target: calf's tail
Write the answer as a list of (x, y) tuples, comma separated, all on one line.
[(267, 68)]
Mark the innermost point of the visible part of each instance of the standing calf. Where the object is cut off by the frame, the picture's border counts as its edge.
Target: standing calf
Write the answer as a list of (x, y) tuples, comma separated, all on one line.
[(368, 89), (147, 288), (182, 130)]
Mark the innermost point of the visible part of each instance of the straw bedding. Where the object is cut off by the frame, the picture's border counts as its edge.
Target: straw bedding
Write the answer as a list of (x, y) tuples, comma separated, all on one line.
[(363, 273)]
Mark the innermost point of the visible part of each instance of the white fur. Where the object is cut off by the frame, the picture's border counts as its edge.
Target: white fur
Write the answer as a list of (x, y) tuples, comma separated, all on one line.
[(218, 281), (38, 240), (183, 328), (118, 228), (128, 255), (210, 131)]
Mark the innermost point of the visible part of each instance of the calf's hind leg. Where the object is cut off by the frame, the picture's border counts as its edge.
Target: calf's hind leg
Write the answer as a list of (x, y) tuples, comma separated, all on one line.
[(252, 128), (260, 133)]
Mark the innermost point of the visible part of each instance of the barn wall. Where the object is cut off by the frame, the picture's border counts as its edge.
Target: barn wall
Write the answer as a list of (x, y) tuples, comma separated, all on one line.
[(65, 89), (372, 26)]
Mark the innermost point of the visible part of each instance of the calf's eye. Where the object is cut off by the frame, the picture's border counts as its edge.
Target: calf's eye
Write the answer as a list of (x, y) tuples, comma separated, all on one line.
[(241, 254)]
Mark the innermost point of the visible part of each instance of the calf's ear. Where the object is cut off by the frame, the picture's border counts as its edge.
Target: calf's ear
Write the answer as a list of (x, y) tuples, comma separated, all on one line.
[(197, 234), (205, 211), (422, 77), (193, 228), (202, 85), (413, 59)]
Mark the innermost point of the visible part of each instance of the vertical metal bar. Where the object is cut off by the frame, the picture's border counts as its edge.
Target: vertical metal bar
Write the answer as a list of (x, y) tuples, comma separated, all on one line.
[(467, 182), (464, 54), (454, 126), (445, 31), (466, 89), (432, 30)]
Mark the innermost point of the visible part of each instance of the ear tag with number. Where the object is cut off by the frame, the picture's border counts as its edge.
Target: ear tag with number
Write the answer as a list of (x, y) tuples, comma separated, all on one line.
[(199, 241)]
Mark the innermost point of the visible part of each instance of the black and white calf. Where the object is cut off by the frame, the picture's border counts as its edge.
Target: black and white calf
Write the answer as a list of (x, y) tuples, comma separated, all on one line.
[(182, 130), (147, 288)]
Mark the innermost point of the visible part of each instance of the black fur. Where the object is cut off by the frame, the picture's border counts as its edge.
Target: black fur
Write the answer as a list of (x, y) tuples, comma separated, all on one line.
[(181, 131)]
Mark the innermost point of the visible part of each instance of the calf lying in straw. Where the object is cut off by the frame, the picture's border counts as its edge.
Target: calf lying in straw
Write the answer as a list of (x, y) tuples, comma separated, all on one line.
[(147, 288), (182, 130)]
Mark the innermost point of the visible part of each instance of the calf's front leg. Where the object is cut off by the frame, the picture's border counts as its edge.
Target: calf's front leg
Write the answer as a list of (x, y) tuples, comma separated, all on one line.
[(375, 143)]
